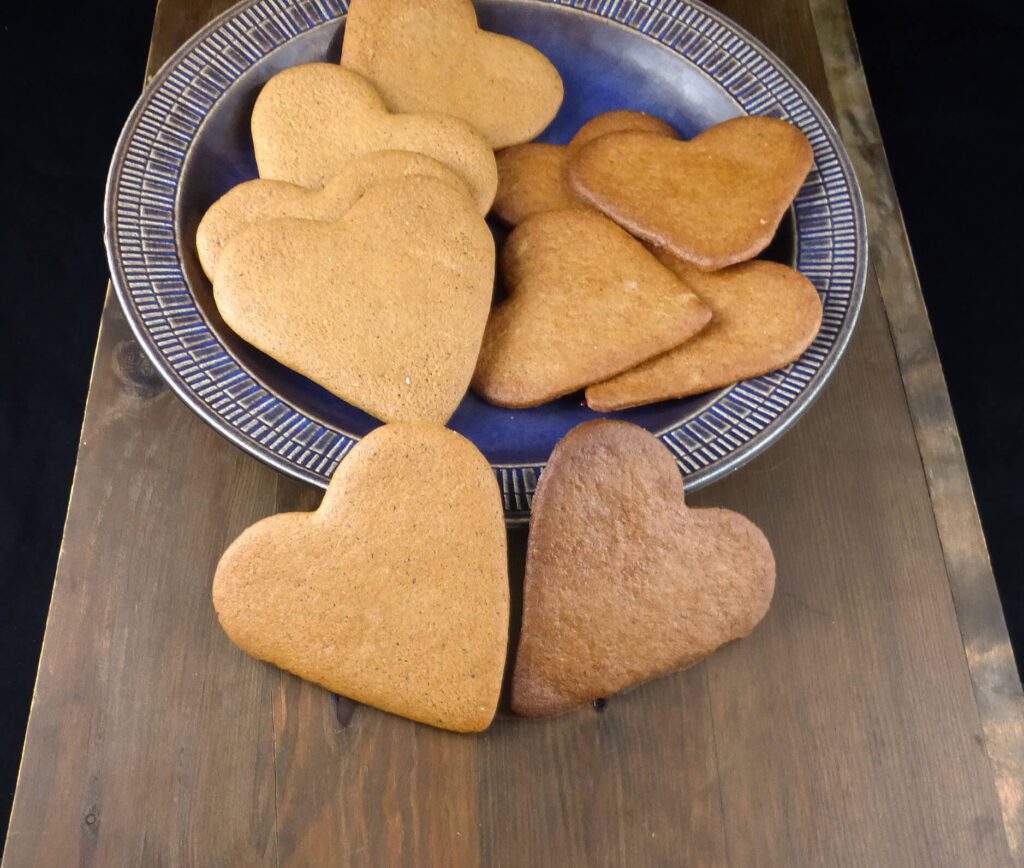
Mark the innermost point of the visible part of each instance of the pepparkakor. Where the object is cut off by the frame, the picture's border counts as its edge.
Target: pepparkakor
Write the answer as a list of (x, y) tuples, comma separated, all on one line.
[(532, 176), (764, 315), (384, 307), (261, 199), (624, 583), (309, 121), (370, 599), (713, 201), (432, 57), (585, 301)]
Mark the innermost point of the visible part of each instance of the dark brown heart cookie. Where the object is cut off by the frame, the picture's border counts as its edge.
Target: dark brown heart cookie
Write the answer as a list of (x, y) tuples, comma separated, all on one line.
[(623, 582)]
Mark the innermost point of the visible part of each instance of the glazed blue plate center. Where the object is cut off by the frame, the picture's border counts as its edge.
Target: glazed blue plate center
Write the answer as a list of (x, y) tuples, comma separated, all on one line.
[(604, 67)]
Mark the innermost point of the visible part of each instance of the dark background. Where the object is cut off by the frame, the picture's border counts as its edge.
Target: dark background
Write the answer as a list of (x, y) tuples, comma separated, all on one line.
[(946, 78)]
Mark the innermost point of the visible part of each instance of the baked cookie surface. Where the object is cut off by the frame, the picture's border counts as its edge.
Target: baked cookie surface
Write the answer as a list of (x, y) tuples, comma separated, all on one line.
[(430, 56), (624, 582), (385, 307), (374, 599)]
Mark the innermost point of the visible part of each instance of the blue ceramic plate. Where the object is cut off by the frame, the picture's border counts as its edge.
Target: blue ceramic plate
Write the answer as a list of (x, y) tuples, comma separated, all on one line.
[(187, 142)]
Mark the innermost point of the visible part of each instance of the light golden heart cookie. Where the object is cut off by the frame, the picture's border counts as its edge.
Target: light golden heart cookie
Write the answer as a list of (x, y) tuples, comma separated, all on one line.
[(309, 121), (713, 201), (764, 315), (255, 201), (623, 582), (532, 177), (584, 298), (390, 593), (385, 307), (432, 57)]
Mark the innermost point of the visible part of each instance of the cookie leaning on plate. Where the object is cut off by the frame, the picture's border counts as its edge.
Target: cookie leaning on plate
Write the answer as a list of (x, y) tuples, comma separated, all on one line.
[(624, 582), (713, 201), (254, 201), (309, 121), (764, 315), (372, 598), (432, 57), (385, 307), (532, 177), (585, 301)]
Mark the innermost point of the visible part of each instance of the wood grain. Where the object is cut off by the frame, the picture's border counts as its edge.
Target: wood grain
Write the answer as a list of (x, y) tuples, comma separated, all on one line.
[(853, 728), (990, 657), (126, 690)]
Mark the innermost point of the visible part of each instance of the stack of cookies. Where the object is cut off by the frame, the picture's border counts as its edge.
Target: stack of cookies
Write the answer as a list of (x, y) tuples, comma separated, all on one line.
[(627, 271), (361, 258)]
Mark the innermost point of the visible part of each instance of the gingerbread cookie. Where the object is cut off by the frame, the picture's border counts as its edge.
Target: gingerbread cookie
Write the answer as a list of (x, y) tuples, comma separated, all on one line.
[(584, 298), (309, 121), (624, 583), (432, 57), (261, 199), (620, 121), (532, 177), (764, 315), (385, 307), (713, 201), (389, 593)]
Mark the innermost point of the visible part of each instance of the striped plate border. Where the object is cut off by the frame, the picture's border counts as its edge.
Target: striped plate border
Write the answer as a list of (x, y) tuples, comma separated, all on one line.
[(147, 273)]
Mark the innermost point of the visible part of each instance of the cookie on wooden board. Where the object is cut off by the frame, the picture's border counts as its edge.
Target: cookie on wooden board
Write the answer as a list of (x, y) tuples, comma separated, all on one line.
[(432, 57), (584, 300), (532, 176), (764, 315), (394, 592), (385, 307), (311, 120), (714, 201), (253, 201), (624, 583)]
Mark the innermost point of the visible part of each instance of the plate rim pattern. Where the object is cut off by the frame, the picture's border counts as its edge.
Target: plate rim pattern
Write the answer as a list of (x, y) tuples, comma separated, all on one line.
[(144, 253)]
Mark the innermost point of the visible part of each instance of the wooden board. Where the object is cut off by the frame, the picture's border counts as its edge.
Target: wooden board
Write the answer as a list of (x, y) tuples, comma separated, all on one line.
[(874, 719)]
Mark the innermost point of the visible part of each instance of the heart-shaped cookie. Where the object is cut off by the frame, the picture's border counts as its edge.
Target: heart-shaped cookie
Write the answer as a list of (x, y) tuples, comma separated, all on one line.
[(255, 201), (432, 57), (764, 315), (623, 582), (388, 594), (713, 201), (385, 307), (532, 176), (584, 300), (310, 120)]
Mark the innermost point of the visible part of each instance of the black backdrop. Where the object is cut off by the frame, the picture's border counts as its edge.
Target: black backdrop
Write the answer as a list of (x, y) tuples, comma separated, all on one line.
[(945, 77)]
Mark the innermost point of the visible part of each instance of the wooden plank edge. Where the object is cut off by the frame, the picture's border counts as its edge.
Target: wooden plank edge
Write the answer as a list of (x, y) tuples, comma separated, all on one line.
[(990, 658), (60, 557), (153, 61)]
